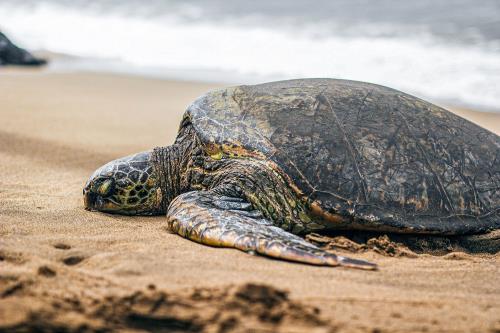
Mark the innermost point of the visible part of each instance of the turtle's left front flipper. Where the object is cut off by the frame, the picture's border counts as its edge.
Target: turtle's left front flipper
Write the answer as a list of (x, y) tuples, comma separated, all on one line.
[(212, 219)]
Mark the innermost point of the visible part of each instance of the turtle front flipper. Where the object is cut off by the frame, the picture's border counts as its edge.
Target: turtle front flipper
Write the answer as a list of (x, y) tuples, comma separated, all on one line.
[(212, 219)]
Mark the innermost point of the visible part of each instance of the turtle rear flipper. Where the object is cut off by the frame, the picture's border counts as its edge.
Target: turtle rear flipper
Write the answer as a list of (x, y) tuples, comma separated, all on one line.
[(209, 218)]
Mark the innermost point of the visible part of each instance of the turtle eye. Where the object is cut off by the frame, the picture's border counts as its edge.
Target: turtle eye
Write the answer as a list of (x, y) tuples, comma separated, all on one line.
[(105, 188)]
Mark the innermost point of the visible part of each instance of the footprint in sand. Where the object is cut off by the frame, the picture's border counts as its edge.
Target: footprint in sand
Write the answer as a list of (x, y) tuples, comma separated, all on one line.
[(62, 246), (46, 271), (69, 259), (73, 260)]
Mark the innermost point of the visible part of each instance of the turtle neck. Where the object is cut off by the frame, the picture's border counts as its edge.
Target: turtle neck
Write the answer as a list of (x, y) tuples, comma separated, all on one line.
[(170, 164)]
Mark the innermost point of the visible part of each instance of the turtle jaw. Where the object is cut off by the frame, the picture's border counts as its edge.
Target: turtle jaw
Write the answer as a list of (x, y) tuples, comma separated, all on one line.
[(93, 202)]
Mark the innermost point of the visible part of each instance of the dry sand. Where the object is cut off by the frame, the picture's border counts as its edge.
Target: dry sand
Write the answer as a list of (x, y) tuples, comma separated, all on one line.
[(63, 268)]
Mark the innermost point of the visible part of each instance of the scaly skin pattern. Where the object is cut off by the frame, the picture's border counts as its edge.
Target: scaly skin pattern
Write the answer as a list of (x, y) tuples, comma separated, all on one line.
[(268, 192), (132, 190), (212, 219)]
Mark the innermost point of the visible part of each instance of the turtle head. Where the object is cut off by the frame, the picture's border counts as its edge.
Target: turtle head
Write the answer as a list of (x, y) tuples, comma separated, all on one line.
[(128, 186)]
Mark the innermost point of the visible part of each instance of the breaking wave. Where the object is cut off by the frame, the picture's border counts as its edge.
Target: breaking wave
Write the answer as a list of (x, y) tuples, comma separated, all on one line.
[(245, 49)]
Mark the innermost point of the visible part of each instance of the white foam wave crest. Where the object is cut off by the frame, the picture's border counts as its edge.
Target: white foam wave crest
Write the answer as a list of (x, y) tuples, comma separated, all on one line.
[(422, 66)]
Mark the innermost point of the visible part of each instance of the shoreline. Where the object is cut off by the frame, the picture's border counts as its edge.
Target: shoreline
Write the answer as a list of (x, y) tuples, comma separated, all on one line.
[(488, 119), (67, 63), (61, 264)]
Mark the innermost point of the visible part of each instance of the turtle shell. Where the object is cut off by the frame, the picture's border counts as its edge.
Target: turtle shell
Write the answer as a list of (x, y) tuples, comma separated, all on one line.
[(387, 160)]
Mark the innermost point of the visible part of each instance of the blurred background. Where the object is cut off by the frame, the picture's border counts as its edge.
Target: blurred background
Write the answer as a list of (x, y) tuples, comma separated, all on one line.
[(447, 51)]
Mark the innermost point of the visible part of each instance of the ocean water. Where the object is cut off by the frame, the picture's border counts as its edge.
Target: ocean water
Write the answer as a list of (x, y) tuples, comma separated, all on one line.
[(447, 51)]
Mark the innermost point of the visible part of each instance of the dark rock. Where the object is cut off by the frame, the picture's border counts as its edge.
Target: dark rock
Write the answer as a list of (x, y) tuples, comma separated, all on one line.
[(10, 54)]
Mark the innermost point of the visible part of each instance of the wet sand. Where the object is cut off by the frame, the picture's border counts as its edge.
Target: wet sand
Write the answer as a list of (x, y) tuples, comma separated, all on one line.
[(65, 268)]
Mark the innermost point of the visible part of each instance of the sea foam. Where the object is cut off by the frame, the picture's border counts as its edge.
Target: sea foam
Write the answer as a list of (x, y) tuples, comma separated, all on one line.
[(166, 45)]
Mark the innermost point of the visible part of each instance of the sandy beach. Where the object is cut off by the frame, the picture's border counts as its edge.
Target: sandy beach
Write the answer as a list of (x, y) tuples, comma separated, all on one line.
[(67, 269)]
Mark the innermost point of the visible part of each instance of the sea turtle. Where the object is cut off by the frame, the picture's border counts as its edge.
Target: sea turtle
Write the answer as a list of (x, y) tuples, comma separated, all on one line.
[(255, 166)]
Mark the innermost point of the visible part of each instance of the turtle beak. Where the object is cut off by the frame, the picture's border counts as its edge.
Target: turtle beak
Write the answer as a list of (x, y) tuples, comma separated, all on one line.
[(91, 200), (88, 199)]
